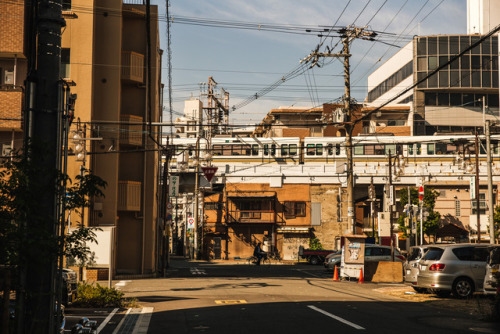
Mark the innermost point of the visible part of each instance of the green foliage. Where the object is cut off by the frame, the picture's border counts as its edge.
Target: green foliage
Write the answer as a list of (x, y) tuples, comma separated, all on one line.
[(315, 244), (22, 198), (98, 296), (496, 219), (431, 224)]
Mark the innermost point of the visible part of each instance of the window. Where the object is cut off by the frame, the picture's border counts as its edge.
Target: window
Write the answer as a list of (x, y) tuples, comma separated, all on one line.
[(310, 149), (255, 149), (295, 209), (65, 62), (414, 149), (266, 149), (273, 149), (464, 254), (284, 150), (319, 149), (213, 206), (250, 210), (482, 204), (457, 208), (430, 149), (293, 149)]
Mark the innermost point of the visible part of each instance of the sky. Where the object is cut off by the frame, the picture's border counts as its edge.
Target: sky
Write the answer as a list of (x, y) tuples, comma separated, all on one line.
[(205, 42)]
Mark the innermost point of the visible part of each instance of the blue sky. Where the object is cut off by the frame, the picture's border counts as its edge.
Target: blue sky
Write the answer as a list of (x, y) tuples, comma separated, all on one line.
[(247, 61)]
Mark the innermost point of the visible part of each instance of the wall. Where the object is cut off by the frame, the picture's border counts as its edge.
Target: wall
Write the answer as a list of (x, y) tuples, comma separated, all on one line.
[(330, 228)]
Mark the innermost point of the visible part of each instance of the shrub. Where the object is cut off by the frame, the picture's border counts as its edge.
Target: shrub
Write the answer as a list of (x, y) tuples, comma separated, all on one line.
[(98, 296)]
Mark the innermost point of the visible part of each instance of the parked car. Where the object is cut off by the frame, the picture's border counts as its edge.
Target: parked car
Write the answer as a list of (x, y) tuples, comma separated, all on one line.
[(492, 271), (411, 266), (373, 253), (456, 268), (314, 256)]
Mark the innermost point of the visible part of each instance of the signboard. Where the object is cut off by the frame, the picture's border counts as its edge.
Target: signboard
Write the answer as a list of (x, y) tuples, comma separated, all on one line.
[(472, 185), (209, 172), (190, 223), (353, 256), (173, 186), (421, 193)]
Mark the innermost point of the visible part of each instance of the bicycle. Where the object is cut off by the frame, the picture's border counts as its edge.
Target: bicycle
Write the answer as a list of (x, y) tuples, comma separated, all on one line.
[(265, 261)]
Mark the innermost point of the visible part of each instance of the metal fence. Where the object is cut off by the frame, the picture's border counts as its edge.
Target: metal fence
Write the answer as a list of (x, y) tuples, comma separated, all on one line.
[(134, 2)]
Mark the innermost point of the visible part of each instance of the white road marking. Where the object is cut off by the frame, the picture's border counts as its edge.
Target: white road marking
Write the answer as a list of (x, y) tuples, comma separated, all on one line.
[(121, 284), (335, 317), (105, 322), (196, 271), (117, 329), (141, 327)]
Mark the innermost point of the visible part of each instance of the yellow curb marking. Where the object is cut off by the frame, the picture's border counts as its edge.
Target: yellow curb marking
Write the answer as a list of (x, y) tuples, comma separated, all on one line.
[(241, 301)]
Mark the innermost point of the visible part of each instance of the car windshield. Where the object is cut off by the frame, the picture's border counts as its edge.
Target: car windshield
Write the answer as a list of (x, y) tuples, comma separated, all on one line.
[(433, 254), (415, 254)]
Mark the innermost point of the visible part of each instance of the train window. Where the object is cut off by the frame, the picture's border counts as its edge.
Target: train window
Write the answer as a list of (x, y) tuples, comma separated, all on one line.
[(266, 149), (217, 150), (284, 150), (430, 149), (191, 151), (310, 149), (390, 148), (359, 150), (329, 149), (319, 149), (255, 149), (273, 149), (293, 149), (414, 149), (369, 149), (337, 149)]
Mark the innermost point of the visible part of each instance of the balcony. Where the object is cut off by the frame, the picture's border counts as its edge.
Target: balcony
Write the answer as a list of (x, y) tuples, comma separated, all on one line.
[(11, 103), (253, 207), (132, 67), (130, 133), (129, 196)]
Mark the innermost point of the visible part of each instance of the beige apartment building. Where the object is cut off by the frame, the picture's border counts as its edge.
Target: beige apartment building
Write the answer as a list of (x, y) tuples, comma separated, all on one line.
[(104, 62)]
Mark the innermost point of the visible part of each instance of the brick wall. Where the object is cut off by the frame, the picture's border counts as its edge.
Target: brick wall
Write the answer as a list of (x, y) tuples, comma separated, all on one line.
[(10, 108), (97, 274), (12, 26)]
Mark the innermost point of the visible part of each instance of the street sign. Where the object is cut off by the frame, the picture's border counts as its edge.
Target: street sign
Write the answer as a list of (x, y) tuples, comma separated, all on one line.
[(169, 205), (173, 186), (421, 193), (472, 186), (190, 223), (209, 172)]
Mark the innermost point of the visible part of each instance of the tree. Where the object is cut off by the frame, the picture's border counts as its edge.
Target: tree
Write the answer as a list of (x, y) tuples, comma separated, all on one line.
[(496, 220), (20, 192), (432, 222)]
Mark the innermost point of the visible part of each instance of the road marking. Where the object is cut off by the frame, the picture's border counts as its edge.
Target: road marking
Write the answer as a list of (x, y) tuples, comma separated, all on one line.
[(335, 317), (241, 301), (141, 327), (116, 331), (105, 322), (196, 271), (121, 284)]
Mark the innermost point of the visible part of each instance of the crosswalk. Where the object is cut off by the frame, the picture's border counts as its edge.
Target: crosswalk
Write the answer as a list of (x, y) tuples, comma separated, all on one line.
[(197, 271)]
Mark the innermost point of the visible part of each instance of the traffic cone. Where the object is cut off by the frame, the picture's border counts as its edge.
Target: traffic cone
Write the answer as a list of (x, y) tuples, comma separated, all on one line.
[(335, 274), (361, 278)]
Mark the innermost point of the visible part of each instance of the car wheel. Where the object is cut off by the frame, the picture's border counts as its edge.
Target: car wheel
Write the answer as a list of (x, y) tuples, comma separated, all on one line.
[(314, 260), (463, 287), (419, 290)]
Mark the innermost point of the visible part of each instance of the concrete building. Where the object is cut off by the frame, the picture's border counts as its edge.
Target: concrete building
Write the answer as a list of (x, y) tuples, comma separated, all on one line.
[(103, 60)]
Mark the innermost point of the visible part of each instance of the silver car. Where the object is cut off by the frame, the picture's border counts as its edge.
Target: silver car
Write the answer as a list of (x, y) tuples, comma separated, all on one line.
[(411, 266), (456, 268), (492, 271)]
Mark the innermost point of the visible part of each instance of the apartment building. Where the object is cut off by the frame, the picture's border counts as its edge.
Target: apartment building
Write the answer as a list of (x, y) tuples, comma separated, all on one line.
[(13, 68), (103, 61)]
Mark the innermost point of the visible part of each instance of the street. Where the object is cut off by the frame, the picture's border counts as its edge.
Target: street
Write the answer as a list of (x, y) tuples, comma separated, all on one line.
[(199, 297)]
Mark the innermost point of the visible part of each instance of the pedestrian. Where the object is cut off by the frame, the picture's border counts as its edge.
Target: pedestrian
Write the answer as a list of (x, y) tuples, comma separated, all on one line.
[(258, 253)]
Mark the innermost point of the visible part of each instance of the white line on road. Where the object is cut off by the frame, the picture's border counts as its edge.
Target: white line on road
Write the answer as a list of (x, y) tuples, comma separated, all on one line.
[(141, 327), (335, 317), (117, 329), (305, 272), (105, 322), (196, 271)]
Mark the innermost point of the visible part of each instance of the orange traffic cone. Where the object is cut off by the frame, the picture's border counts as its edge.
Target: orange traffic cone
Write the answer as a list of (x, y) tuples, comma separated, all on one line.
[(361, 278), (335, 274)]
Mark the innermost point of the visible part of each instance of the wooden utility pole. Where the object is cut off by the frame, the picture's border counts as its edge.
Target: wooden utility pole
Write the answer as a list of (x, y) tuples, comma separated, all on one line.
[(348, 34)]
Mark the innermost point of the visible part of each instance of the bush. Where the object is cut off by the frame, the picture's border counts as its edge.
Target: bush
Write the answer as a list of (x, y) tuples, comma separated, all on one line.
[(98, 296)]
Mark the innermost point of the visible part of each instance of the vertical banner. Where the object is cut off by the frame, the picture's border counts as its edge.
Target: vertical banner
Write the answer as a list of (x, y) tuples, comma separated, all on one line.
[(173, 186), (472, 185)]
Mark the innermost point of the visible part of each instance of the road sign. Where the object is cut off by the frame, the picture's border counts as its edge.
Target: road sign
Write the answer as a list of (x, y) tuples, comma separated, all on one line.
[(421, 193), (190, 223), (209, 172), (169, 205)]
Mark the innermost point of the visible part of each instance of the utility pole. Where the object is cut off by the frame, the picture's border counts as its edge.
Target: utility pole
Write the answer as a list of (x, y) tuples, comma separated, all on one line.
[(478, 216), (491, 213), (391, 194), (348, 34), (44, 121)]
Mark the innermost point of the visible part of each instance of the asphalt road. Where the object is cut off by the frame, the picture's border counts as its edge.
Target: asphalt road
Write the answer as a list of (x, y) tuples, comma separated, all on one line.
[(221, 298)]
